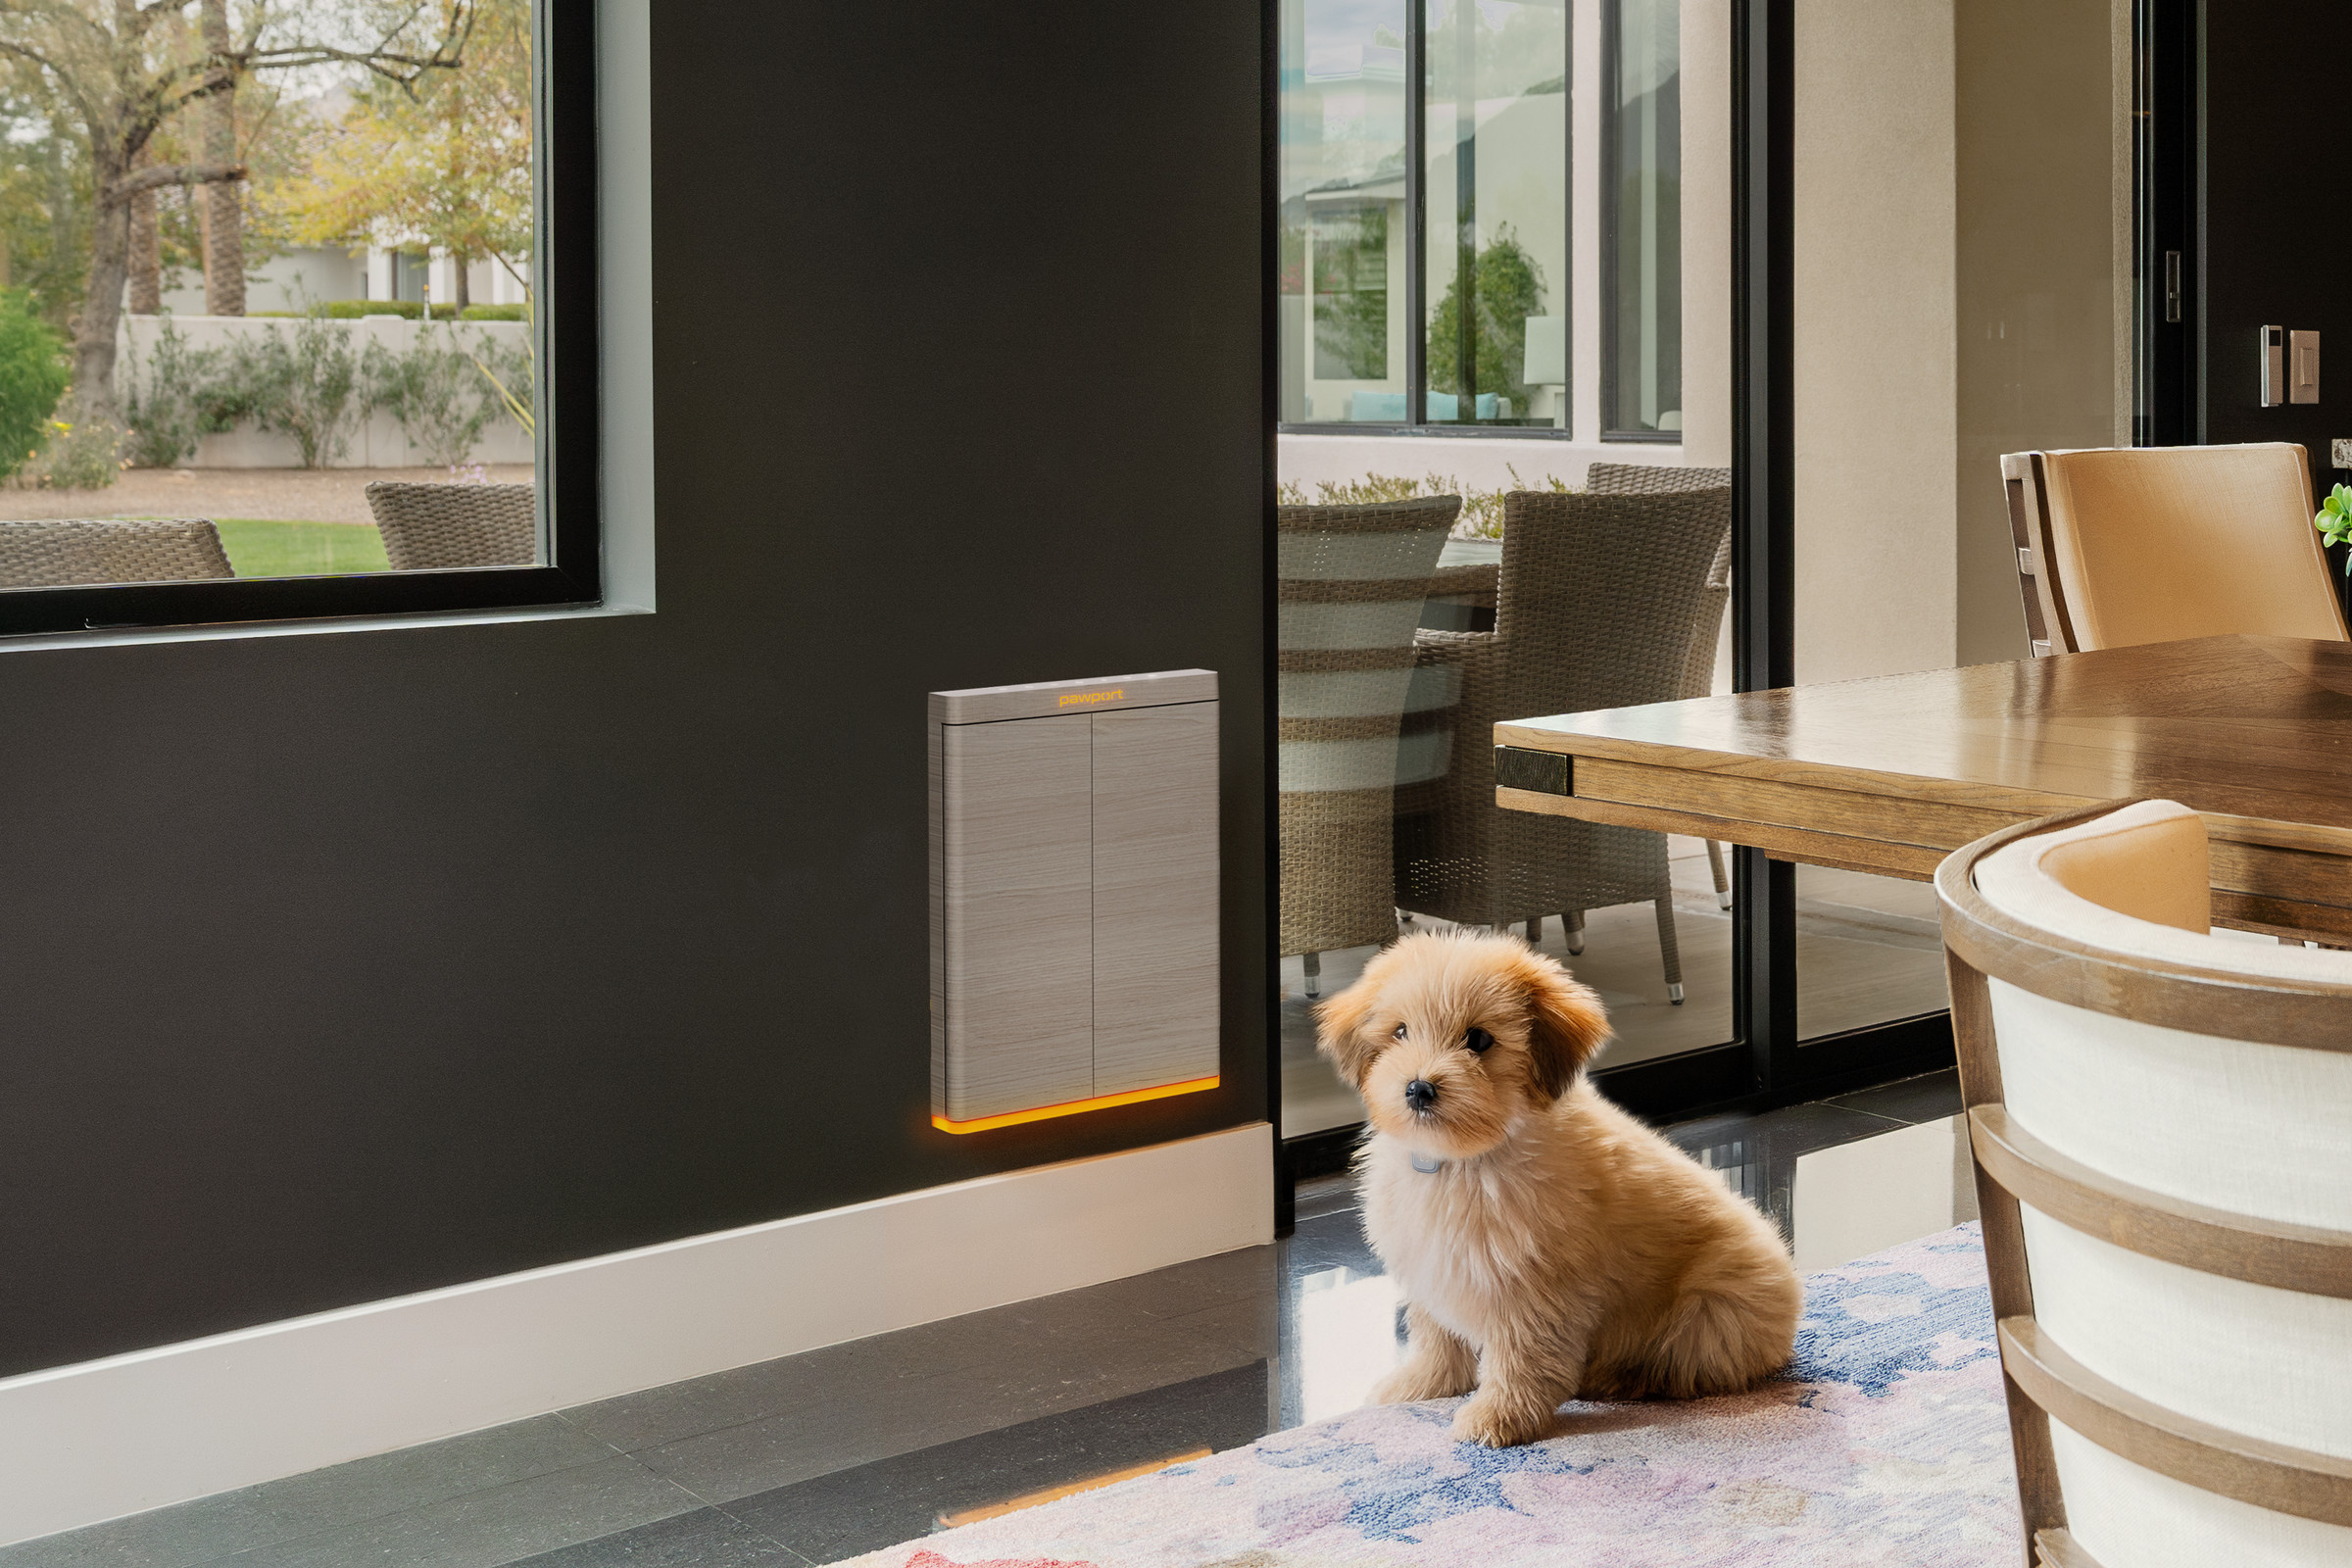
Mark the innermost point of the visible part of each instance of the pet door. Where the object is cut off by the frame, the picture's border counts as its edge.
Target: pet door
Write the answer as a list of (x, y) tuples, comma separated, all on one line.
[(1073, 896)]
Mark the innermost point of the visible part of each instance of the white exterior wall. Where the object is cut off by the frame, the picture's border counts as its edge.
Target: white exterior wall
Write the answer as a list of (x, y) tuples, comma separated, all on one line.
[(275, 284), (376, 442)]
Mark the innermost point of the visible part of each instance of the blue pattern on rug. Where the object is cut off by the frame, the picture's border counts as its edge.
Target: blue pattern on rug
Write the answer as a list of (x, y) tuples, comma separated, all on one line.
[(1885, 1445)]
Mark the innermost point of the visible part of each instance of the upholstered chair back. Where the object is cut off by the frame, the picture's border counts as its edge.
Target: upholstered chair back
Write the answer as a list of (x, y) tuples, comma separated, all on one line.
[(2153, 544), (2162, 1122)]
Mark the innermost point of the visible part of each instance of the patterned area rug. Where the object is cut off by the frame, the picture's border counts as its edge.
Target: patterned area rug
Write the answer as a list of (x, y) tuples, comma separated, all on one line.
[(1888, 1444)]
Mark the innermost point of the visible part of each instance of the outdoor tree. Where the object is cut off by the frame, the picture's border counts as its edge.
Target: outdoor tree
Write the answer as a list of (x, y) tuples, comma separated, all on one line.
[(1506, 287), (446, 166), (119, 70)]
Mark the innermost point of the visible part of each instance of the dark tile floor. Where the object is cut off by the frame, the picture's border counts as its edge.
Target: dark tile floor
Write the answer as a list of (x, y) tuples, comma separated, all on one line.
[(818, 1457)]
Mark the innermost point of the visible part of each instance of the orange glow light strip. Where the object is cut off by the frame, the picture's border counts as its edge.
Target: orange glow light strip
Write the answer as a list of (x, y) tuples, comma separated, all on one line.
[(1030, 1500), (1071, 1107)]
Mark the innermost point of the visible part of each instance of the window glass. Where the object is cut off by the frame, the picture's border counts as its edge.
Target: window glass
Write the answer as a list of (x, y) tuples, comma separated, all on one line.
[(1641, 388), (275, 318), (1488, 257), (1343, 222), (1497, 160)]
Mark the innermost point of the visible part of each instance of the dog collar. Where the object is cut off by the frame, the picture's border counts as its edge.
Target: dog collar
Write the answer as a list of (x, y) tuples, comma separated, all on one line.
[(1425, 1165)]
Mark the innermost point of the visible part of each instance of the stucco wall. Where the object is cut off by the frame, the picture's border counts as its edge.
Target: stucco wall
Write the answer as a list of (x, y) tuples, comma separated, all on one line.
[(376, 442)]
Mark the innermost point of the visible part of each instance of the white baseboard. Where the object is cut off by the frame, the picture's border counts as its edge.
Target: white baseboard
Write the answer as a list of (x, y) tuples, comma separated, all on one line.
[(101, 1438)]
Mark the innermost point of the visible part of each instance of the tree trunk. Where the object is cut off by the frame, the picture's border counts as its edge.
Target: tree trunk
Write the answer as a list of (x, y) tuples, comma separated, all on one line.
[(224, 216), (102, 302), (146, 261), (462, 295)]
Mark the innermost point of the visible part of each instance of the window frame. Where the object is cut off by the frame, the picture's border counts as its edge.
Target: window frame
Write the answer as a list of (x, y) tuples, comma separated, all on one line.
[(566, 443), (1416, 255)]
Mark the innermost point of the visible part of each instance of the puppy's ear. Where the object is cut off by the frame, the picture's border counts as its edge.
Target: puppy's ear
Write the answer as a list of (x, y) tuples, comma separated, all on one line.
[(1565, 1023), (1342, 1030)]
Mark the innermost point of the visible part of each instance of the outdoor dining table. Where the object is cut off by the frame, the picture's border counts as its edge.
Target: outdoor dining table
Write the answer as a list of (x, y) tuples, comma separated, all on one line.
[(1888, 774)]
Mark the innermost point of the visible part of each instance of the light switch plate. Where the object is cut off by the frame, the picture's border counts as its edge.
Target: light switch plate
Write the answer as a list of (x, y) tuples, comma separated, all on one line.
[(2302, 366), (2340, 452)]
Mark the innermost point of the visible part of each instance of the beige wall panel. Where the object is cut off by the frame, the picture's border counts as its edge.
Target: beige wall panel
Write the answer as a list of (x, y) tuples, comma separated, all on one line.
[(1707, 233), (1018, 915), (2036, 172), (1874, 336), (1156, 896)]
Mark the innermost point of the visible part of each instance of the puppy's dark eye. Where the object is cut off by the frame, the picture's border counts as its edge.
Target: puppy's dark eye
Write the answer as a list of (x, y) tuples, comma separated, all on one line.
[(1400, 1033), (1477, 1041)]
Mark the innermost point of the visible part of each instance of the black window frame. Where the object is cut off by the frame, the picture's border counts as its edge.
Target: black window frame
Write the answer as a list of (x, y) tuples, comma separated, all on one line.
[(566, 440), (1416, 255)]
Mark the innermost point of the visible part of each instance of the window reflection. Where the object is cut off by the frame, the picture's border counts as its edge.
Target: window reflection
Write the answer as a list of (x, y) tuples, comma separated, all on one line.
[(1489, 262), (1642, 390), (1497, 111)]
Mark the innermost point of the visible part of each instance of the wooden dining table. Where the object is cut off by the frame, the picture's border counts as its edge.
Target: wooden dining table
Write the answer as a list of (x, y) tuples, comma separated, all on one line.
[(1888, 774)]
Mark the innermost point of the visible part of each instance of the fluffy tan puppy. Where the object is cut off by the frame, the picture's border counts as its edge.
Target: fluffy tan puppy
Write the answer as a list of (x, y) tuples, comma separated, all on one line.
[(1548, 1247)]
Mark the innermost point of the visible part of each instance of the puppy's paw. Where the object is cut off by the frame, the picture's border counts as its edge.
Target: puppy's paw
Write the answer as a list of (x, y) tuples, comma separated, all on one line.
[(1499, 1424), (1416, 1380)]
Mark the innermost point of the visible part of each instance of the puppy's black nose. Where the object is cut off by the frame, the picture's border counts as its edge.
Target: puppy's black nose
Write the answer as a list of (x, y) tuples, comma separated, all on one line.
[(1420, 1094)]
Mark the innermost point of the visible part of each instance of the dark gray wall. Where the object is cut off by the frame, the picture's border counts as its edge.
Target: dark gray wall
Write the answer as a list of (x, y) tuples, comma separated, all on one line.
[(334, 967)]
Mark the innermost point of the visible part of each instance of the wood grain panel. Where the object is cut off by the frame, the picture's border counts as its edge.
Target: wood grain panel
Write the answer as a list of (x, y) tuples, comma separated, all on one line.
[(2244, 726), (1018, 911), (1883, 817), (1156, 896), (1908, 861), (2249, 731), (2296, 875)]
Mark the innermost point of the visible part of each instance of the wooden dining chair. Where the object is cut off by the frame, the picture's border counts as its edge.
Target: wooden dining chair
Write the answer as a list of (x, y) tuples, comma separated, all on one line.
[(2162, 1125), (2117, 546)]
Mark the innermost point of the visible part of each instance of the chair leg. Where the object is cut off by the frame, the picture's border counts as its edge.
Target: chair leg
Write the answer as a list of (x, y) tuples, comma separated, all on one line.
[(1534, 931), (1723, 881), (1670, 949), (1573, 923), (1312, 963)]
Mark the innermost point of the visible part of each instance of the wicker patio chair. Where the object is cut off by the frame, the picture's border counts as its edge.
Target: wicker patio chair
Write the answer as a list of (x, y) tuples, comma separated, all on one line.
[(1698, 676), (429, 525), (64, 553), (1351, 584), (1600, 599)]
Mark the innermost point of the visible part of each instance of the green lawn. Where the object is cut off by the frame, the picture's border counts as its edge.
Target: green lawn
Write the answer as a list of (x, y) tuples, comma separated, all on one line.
[(258, 548)]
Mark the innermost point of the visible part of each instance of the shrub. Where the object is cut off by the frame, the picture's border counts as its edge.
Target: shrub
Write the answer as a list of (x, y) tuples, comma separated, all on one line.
[(170, 399), (435, 391), (495, 313), (309, 387), (86, 455), (33, 377), (511, 367), (1482, 509), (353, 309)]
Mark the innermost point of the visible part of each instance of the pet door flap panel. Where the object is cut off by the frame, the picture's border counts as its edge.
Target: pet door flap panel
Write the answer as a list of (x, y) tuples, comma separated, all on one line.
[(1020, 915), (1074, 896), (1156, 896)]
